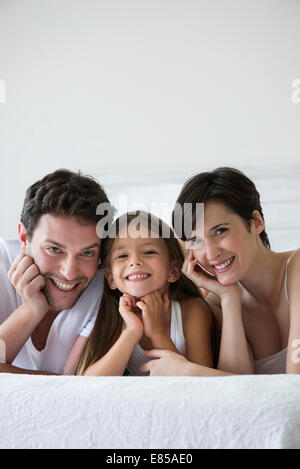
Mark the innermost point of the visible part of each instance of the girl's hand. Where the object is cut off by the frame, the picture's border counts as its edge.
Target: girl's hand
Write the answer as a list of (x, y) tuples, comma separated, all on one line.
[(127, 308), (167, 364), (154, 309), (193, 271)]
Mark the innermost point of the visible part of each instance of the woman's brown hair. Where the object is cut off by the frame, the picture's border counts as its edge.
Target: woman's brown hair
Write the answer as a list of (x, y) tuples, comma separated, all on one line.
[(227, 185), (108, 324)]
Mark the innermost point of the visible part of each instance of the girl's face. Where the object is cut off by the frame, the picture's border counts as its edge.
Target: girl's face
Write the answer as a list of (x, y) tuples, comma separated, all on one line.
[(229, 246), (139, 266)]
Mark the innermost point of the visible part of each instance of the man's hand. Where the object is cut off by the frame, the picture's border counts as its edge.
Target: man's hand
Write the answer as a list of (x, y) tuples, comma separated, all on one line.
[(25, 276)]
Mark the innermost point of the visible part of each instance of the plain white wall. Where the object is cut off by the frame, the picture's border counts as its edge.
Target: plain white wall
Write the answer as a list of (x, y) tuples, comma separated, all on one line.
[(144, 86)]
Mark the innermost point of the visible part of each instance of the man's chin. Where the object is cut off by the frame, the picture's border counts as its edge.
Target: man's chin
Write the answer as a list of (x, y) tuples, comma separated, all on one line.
[(61, 304)]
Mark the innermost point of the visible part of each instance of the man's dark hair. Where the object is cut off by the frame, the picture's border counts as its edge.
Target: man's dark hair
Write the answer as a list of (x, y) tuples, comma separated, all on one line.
[(227, 185), (63, 193)]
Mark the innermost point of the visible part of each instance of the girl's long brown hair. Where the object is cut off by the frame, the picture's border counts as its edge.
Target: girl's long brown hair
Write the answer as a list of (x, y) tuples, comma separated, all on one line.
[(108, 324)]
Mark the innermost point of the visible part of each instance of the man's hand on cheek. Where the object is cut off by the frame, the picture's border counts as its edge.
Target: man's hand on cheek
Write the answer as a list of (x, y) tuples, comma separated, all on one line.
[(25, 276)]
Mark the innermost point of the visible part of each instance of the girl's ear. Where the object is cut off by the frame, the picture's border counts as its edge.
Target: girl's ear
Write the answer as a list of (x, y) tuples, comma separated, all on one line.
[(109, 278), (257, 222), (174, 273)]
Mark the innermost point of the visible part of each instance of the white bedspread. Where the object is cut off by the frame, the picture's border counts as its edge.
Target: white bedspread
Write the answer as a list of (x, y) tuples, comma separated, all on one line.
[(149, 413)]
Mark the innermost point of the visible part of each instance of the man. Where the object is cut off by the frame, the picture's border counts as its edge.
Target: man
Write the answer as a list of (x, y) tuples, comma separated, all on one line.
[(50, 285)]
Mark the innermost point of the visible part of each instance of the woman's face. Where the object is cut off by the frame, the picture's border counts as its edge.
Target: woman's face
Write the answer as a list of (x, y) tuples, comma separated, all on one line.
[(229, 246), (139, 265)]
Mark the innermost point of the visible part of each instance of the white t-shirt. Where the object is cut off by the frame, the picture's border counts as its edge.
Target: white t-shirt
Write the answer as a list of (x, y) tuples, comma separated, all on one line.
[(66, 327)]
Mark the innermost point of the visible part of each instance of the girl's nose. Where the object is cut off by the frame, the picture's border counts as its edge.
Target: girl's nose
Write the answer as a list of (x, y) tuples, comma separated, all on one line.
[(135, 260)]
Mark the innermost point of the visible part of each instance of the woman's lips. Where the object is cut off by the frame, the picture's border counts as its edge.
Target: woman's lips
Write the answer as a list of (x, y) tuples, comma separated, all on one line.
[(223, 266)]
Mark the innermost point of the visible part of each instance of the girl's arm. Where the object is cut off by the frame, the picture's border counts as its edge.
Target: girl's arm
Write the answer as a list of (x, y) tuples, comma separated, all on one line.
[(197, 323), (293, 354), (114, 362)]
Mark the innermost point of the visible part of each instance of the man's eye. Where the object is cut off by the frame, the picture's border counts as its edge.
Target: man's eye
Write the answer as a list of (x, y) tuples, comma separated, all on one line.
[(54, 250), (88, 253)]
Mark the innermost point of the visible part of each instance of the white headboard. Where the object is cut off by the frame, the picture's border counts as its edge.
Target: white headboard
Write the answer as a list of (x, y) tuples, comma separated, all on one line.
[(157, 192)]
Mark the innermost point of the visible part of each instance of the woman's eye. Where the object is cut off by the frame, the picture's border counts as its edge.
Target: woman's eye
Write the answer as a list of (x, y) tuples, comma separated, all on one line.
[(194, 243), (220, 231)]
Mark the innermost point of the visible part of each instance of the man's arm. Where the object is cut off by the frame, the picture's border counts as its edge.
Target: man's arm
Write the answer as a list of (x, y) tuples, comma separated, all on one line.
[(8, 368), (25, 277)]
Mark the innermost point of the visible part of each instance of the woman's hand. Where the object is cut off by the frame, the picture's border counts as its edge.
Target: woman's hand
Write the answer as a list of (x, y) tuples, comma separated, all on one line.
[(194, 272), (154, 307), (167, 363), (127, 309)]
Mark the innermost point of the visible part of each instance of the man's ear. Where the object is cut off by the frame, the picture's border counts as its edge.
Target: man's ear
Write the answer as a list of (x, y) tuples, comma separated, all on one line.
[(257, 222), (23, 236), (174, 273), (109, 278)]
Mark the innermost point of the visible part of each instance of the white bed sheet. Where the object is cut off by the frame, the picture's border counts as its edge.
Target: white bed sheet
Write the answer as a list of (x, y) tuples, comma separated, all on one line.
[(149, 413)]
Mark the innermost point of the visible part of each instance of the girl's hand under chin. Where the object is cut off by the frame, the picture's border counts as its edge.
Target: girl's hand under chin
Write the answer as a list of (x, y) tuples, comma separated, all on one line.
[(127, 309), (192, 269), (155, 308)]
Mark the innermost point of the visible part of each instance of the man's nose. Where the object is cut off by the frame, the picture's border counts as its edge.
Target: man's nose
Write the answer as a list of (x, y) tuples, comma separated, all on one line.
[(69, 268)]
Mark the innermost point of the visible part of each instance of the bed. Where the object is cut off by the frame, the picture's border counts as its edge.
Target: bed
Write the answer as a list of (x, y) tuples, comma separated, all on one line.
[(75, 412), (169, 412)]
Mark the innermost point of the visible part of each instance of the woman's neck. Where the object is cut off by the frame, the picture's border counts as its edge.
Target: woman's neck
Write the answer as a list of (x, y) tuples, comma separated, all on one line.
[(263, 281)]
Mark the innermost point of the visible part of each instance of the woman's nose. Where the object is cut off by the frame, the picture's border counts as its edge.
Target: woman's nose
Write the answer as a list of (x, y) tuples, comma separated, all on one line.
[(212, 250)]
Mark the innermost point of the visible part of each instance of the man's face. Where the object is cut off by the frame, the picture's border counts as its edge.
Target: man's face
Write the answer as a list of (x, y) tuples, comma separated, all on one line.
[(66, 252)]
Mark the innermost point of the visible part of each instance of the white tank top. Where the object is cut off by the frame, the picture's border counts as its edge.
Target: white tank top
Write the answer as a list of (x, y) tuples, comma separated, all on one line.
[(176, 333), (276, 363)]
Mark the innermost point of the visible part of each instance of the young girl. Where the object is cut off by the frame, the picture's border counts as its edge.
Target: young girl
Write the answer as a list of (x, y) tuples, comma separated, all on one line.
[(147, 303)]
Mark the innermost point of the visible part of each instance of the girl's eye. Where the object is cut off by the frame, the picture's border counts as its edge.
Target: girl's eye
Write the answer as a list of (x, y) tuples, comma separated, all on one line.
[(121, 256), (150, 252)]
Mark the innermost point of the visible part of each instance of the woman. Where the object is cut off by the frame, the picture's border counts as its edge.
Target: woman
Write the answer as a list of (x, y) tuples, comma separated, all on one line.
[(253, 290)]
